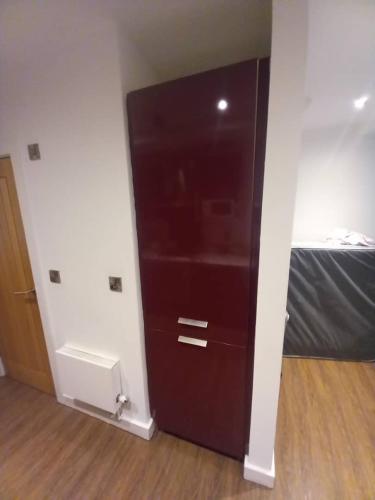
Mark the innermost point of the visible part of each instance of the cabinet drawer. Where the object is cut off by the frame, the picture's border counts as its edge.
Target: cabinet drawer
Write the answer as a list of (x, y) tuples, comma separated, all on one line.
[(199, 391), (212, 293)]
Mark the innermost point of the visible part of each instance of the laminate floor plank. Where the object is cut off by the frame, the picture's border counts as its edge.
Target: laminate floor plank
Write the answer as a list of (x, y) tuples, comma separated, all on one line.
[(325, 447)]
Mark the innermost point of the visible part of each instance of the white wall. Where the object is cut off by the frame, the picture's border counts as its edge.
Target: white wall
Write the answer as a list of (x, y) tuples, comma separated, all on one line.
[(60, 85), (336, 174), (336, 182), (289, 33)]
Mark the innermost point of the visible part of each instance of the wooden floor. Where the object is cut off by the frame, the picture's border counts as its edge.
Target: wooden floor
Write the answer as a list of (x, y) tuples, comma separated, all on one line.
[(325, 447)]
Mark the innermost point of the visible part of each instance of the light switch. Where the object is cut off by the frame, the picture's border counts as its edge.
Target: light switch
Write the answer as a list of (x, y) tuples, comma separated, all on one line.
[(54, 276), (34, 152), (115, 284)]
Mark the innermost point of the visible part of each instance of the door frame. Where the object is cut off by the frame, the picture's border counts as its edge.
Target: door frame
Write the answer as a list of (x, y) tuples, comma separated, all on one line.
[(36, 268)]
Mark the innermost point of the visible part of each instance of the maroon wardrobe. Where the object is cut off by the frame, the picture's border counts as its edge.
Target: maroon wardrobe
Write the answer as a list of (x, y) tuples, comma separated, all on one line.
[(197, 148)]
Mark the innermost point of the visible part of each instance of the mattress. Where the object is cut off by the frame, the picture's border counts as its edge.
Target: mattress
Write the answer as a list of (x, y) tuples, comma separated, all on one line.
[(331, 302)]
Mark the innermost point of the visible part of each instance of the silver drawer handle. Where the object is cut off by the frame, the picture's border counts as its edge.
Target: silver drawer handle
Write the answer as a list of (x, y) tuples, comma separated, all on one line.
[(192, 322), (192, 341)]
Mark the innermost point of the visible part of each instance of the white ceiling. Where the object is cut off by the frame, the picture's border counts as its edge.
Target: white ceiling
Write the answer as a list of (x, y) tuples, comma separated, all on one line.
[(176, 37), (340, 64), (180, 37)]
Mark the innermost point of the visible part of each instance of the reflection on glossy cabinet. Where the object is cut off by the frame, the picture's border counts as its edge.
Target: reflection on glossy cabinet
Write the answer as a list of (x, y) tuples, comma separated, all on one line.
[(197, 148)]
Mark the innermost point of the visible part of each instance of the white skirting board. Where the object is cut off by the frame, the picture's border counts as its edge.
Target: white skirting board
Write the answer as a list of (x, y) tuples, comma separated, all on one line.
[(265, 477), (140, 429)]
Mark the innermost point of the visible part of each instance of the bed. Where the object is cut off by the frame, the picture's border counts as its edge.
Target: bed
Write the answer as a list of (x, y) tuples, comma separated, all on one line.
[(331, 302)]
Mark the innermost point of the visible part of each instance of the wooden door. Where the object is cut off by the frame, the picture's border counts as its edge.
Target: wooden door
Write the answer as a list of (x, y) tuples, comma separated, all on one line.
[(22, 343)]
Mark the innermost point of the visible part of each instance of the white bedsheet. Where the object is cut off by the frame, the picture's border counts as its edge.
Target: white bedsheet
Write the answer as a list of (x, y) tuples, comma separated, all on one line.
[(327, 245)]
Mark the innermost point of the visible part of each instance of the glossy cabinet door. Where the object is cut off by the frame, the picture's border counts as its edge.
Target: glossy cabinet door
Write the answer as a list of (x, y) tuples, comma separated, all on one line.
[(197, 177), (199, 391)]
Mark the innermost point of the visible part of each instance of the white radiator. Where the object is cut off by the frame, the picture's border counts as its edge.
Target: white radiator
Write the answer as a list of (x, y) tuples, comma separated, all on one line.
[(89, 378)]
